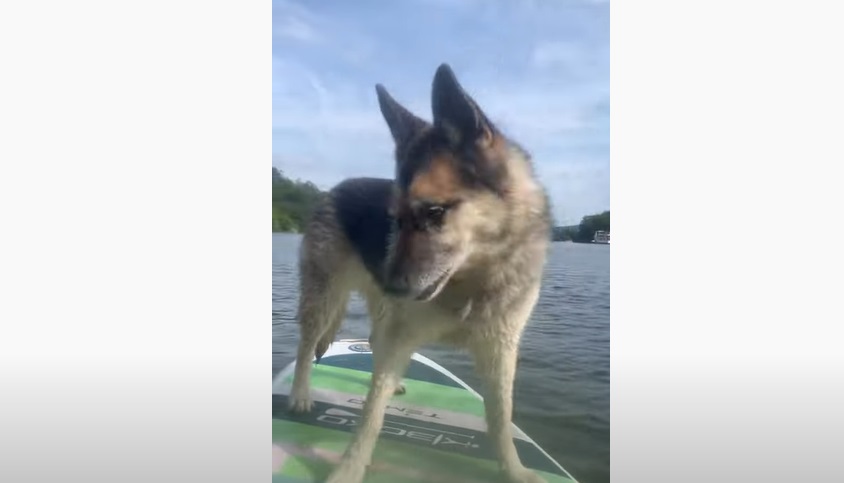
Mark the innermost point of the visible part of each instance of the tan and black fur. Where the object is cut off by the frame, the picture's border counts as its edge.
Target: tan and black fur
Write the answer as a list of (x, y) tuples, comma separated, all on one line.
[(451, 250)]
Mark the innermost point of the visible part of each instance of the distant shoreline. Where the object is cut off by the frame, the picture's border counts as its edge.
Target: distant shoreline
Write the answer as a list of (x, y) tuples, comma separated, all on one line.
[(275, 232), (280, 232), (579, 242)]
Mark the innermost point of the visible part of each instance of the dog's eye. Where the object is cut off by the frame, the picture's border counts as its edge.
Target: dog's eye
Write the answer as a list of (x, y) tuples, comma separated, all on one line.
[(435, 213)]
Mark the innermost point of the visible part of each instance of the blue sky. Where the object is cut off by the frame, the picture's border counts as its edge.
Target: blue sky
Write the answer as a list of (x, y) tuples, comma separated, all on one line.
[(539, 69)]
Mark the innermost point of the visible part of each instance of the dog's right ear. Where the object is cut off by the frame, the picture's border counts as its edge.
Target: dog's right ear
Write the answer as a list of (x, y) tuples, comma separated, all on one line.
[(402, 123), (456, 112)]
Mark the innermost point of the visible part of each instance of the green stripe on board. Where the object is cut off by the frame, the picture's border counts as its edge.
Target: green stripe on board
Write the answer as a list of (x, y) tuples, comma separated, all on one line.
[(418, 392), (390, 452), (305, 469)]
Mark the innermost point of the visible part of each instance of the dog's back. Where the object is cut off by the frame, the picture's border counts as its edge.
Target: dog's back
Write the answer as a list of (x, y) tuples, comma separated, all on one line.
[(344, 247)]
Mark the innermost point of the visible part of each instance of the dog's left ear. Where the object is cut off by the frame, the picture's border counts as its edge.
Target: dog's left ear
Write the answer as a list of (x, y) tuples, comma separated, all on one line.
[(456, 113), (402, 123)]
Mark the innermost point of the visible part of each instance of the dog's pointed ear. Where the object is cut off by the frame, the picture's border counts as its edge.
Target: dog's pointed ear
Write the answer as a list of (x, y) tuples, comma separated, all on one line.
[(403, 124), (456, 113)]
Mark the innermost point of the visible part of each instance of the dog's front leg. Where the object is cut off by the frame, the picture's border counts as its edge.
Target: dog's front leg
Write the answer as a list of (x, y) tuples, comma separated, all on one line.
[(390, 362), (400, 388), (496, 358)]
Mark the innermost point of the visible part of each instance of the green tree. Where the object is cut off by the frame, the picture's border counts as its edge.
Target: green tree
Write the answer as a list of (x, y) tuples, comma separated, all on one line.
[(590, 224), (293, 202), (565, 233)]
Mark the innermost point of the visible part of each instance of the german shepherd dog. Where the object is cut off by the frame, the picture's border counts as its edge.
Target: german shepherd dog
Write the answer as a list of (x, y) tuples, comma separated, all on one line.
[(449, 251)]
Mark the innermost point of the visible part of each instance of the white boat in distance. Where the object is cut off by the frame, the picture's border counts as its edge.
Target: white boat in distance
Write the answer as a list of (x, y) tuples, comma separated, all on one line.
[(602, 237)]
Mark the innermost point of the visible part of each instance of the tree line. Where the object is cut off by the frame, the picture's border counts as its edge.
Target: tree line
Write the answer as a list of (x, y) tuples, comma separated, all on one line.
[(293, 202), (585, 231)]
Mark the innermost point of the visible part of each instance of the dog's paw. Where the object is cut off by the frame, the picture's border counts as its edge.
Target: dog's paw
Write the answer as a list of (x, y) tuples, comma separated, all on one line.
[(300, 405), (522, 475), (300, 401), (347, 473), (400, 389)]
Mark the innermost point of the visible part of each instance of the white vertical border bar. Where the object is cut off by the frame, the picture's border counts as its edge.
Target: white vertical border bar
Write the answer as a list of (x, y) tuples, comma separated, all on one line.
[(726, 315), (135, 146)]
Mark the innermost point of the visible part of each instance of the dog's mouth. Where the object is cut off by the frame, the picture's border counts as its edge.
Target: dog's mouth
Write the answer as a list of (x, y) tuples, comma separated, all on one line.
[(433, 289)]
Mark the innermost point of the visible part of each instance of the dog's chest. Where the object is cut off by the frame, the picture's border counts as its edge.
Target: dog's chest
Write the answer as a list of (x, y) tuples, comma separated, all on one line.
[(458, 319)]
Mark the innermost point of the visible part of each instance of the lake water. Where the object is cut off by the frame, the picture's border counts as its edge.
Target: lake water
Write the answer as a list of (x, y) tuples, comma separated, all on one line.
[(562, 389)]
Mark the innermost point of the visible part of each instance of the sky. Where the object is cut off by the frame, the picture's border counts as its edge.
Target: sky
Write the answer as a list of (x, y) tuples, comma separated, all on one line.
[(538, 68)]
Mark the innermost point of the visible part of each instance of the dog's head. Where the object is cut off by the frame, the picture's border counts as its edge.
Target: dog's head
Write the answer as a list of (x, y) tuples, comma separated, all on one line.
[(458, 182)]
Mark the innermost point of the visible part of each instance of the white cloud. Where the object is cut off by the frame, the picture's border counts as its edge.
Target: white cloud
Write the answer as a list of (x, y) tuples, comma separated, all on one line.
[(297, 29), (334, 118), (295, 21)]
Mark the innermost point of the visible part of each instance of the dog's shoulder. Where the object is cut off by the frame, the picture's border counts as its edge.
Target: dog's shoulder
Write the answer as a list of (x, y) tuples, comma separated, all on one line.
[(361, 209)]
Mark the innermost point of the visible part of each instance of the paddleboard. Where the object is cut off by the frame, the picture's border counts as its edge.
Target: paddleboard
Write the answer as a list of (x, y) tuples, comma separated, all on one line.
[(435, 432)]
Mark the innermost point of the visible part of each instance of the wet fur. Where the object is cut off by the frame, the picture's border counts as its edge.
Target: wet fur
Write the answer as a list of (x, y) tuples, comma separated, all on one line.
[(489, 248)]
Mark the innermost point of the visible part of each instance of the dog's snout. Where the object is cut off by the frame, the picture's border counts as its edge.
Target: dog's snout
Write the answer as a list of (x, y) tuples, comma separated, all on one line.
[(398, 286)]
